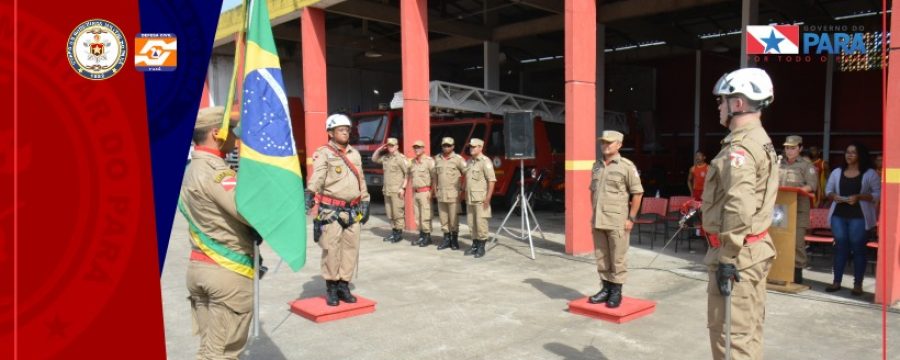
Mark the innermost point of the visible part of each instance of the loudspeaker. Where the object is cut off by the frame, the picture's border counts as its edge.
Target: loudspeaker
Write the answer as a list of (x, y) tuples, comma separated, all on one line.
[(518, 135)]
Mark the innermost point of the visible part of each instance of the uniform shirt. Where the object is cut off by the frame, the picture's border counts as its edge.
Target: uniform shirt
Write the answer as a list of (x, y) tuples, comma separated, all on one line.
[(333, 178), (739, 196), (421, 170), (699, 172), (396, 168), (447, 171), (797, 174), (207, 192), (612, 185), (479, 172)]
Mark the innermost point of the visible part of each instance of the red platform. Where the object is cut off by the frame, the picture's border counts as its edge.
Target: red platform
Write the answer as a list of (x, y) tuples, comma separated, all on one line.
[(630, 309), (316, 310)]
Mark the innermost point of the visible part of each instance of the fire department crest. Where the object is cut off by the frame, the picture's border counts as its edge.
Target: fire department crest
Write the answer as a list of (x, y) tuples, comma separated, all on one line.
[(96, 49)]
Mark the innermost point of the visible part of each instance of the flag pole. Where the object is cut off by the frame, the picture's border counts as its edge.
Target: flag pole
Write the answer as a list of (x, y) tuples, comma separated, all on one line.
[(255, 328)]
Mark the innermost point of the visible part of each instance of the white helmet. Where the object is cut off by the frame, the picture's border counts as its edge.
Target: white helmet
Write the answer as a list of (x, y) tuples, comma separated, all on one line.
[(754, 83), (336, 120)]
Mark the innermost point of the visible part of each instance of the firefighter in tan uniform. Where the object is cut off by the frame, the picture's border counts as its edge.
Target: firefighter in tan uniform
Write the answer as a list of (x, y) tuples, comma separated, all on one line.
[(220, 273), (796, 171), (421, 170), (480, 180), (449, 168), (738, 202), (616, 194), (396, 170), (339, 189)]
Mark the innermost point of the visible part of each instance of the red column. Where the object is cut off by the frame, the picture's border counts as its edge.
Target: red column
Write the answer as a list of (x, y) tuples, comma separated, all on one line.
[(416, 114), (315, 85), (887, 289), (581, 110)]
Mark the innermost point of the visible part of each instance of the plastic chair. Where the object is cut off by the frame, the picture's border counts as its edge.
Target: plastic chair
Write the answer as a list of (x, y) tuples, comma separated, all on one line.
[(653, 212)]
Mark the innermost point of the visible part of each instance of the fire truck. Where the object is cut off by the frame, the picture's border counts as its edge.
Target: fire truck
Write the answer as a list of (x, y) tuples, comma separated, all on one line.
[(463, 112)]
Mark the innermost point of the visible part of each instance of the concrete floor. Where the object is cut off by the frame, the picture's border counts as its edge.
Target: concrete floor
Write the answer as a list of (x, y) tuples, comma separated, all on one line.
[(443, 305)]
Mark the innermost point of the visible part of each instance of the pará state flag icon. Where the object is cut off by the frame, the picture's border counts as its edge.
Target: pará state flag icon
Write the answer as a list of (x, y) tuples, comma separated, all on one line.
[(773, 39)]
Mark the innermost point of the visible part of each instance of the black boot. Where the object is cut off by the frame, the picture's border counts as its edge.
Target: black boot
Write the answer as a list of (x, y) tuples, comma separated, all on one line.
[(601, 296), (446, 242), (426, 240), (473, 249), (454, 240), (331, 294), (615, 296), (798, 275), (390, 236), (419, 240), (398, 235), (480, 252), (343, 292)]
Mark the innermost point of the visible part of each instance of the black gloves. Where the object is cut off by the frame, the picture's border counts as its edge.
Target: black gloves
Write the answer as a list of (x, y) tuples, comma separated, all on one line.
[(364, 209), (310, 200), (724, 275), (256, 237)]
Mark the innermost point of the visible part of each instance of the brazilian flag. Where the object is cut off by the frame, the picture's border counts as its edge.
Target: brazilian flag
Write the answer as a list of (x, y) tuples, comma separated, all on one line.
[(270, 187)]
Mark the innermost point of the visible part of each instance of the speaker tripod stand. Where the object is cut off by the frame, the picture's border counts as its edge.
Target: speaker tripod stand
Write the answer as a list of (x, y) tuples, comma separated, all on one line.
[(527, 214)]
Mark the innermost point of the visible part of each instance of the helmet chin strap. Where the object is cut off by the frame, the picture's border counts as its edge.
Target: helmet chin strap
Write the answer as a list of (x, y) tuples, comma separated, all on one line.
[(732, 114)]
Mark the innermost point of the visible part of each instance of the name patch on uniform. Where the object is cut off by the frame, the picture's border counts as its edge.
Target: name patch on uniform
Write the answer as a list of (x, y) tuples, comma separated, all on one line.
[(222, 175), (738, 158), (812, 171)]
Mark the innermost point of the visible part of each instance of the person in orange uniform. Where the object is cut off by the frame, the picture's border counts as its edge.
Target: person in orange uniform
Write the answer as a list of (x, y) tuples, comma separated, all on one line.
[(697, 175)]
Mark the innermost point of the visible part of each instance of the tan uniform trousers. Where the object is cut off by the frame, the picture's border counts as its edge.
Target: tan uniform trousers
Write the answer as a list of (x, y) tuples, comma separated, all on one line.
[(393, 205), (478, 218), (800, 260), (423, 211), (340, 250), (610, 248), (449, 214), (221, 306), (748, 312)]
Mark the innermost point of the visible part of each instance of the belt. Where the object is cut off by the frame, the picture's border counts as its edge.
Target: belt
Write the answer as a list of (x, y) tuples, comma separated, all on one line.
[(200, 256), (327, 200), (752, 238), (423, 189)]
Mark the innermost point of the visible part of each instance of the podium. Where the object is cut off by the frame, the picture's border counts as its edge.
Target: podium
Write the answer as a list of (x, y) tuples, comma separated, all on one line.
[(784, 234)]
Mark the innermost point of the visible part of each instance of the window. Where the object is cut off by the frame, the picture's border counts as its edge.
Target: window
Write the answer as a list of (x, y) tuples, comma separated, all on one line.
[(495, 142), (459, 133), (397, 126), (368, 130)]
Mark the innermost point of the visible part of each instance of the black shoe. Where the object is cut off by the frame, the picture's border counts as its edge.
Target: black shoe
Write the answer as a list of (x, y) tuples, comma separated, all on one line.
[(473, 249), (601, 296), (480, 252), (343, 292), (398, 235), (446, 242), (426, 240), (615, 296), (454, 241), (331, 294), (798, 275), (418, 240), (390, 237)]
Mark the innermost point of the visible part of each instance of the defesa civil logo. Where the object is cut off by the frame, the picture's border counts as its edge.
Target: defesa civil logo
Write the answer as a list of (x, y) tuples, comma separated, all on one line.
[(96, 49), (155, 52)]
